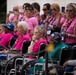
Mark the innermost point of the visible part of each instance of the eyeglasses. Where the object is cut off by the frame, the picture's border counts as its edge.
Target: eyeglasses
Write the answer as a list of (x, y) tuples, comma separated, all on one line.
[(44, 9), (28, 8), (69, 10), (53, 9)]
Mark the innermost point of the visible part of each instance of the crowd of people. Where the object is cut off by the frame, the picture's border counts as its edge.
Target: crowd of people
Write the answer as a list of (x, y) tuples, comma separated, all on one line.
[(51, 27)]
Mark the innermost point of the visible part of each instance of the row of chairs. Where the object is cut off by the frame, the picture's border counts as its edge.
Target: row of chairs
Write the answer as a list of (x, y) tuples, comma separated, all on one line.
[(18, 65)]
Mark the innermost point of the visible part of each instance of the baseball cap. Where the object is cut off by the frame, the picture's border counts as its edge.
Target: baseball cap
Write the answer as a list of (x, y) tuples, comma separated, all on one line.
[(9, 26)]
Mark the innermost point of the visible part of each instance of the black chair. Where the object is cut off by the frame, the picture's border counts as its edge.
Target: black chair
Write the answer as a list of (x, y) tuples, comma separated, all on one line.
[(12, 41), (41, 51), (25, 46), (73, 69), (74, 52), (66, 54)]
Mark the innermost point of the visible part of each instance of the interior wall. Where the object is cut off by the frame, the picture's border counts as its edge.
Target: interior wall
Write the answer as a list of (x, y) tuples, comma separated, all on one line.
[(11, 3)]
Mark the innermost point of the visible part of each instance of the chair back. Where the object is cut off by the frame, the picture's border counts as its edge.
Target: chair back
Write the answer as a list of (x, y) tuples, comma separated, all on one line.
[(41, 51), (66, 54), (12, 41), (25, 46), (74, 52)]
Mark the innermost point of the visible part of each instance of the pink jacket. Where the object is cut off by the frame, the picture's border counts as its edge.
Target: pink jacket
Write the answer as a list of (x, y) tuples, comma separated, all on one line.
[(19, 42), (37, 45), (6, 39)]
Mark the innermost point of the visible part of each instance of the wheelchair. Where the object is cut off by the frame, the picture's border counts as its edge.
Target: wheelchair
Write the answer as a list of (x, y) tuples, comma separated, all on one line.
[(20, 61), (66, 54), (38, 67), (7, 60)]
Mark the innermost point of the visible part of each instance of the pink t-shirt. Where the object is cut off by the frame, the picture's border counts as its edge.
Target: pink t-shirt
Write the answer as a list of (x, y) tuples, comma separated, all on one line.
[(12, 17), (70, 30), (1, 36), (6, 39), (54, 21), (32, 22), (37, 46), (20, 40)]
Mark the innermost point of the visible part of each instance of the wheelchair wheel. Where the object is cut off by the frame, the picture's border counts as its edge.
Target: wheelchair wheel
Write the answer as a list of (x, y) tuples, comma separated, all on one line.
[(26, 68), (9, 65)]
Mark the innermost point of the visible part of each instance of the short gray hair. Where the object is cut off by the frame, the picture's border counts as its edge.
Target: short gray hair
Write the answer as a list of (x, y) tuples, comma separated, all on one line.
[(23, 24), (41, 30)]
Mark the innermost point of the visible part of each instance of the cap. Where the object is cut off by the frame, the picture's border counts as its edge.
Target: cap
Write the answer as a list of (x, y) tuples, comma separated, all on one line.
[(9, 26), (56, 36)]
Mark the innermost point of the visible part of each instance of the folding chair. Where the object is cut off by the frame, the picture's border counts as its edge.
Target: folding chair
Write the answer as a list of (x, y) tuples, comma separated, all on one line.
[(65, 55)]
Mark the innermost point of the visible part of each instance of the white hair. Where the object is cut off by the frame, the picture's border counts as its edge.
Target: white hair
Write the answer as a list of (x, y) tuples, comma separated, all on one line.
[(23, 24)]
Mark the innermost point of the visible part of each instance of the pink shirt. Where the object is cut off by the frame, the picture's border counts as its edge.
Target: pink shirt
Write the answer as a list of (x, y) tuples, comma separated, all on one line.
[(70, 30), (20, 40), (6, 39), (54, 21), (12, 17), (37, 45), (32, 22), (1, 36)]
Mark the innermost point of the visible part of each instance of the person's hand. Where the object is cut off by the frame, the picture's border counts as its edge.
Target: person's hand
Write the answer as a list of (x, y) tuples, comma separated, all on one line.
[(14, 49), (4, 51), (34, 37), (51, 26), (29, 49), (60, 15), (65, 35), (65, 64)]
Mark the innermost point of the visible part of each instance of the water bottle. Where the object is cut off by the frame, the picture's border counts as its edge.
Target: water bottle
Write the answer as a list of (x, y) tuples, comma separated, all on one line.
[(48, 31), (42, 24), (62, 33), (48, 34)]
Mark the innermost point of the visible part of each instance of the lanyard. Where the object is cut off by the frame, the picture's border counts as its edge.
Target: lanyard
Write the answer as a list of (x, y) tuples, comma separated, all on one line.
[(68, 23), (52, 21)]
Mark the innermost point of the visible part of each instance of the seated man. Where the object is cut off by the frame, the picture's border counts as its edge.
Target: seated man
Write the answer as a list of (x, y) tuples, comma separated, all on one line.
[(8, 34), (58, 45)]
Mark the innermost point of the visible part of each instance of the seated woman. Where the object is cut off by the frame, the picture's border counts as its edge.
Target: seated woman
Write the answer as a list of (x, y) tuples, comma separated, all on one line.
[(23, 35), (37, 39)]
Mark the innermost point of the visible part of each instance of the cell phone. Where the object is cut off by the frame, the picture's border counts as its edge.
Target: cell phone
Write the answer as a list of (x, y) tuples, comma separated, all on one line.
[(63, 9), (49, 12)]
